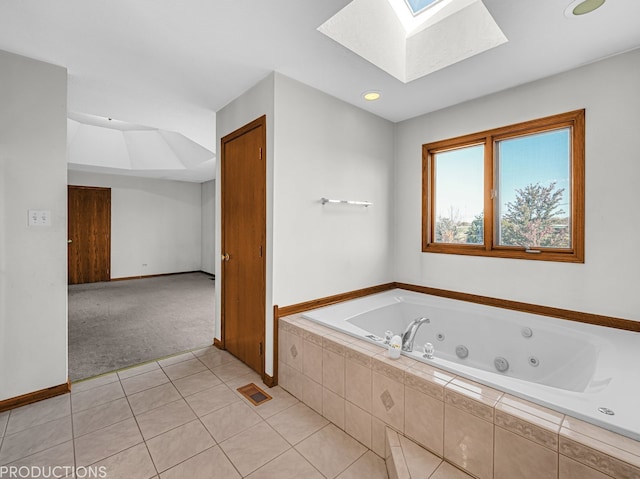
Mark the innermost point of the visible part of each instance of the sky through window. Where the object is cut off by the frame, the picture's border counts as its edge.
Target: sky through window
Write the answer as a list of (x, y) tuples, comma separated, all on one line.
[(416, 6)]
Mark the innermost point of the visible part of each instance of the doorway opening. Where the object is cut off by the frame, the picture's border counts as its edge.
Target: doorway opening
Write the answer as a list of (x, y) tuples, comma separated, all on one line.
[(114, 324)]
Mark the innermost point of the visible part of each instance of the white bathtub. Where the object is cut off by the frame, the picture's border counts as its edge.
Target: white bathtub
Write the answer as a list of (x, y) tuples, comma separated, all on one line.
[(577, 369)]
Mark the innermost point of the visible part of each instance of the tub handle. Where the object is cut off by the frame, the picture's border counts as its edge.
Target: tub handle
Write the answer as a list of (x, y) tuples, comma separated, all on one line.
[(429, 351), (388, 334)]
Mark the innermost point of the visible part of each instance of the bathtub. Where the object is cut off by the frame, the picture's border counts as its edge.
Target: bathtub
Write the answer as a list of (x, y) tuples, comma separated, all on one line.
[(585, 371)]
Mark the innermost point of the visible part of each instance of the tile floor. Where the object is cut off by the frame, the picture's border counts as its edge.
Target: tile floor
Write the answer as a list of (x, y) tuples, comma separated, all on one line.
[(181, 417)]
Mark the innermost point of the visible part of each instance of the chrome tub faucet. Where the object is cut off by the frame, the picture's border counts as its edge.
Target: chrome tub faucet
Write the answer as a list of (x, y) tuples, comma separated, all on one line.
[(410, 333)]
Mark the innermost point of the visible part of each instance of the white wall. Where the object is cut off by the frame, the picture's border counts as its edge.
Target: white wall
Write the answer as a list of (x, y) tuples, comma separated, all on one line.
[(325, 147), (208, 222), (607, 283), (156, 223), (33, 260)]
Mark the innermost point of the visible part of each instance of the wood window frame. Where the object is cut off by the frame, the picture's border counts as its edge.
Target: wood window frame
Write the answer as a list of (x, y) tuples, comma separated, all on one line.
[(575, 120)]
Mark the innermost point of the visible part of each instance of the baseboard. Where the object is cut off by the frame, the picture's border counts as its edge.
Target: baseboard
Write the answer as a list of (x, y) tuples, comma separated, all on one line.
[(217, 343), (126, 278), (35, 396)]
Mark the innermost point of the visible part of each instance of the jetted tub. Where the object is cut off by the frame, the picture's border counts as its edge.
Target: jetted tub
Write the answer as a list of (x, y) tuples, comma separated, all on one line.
[(581, 370)]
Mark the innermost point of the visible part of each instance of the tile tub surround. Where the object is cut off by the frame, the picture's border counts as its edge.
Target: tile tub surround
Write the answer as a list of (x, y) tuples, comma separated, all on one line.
[(483, 431)]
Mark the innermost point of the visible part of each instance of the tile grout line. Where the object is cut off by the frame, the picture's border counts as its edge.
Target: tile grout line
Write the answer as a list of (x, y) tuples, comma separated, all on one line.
[(6, 426), (173, 428), (262, 420), (356, 459), (274, 430), (135, 418), (228, 458), (324, 427), (291, 448), (71, 417), (214, 439), (216, 444), (171, 381), (33, 426), (199, 418), (147, 388), (73, 436), (4, 431)]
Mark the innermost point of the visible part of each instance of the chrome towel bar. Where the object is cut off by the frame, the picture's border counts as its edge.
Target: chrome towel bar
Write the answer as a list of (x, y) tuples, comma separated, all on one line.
[(324, 201)]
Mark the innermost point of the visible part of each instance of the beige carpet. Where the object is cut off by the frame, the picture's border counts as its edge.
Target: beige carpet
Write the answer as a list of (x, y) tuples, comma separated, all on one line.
[(117, 324)]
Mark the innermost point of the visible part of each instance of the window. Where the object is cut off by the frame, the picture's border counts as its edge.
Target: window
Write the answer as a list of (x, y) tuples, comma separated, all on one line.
[(512, 192)]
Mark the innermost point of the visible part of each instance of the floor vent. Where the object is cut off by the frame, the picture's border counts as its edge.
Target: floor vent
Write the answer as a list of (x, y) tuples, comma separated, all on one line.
[(254, 394)]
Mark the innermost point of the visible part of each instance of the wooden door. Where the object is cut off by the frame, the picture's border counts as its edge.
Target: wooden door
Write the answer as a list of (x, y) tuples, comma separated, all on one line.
[(243, 208), (89, 234)]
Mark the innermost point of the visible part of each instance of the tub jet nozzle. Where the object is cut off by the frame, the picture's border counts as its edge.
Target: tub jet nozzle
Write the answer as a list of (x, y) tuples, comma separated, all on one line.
[(501, 364)]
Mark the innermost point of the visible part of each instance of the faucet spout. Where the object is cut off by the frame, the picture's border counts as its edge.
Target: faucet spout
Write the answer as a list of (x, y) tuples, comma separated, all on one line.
[(410, 333)]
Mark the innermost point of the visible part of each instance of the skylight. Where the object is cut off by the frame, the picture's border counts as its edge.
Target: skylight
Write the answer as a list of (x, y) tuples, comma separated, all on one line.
[(417, 6), (409, 46)]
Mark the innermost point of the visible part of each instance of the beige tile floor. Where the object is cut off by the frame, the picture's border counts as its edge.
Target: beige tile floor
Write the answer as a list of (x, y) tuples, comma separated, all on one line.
[(181, 417)]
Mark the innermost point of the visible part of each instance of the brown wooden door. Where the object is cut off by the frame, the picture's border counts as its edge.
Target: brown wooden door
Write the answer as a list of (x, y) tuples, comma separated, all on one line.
[(89, 234), (243, 195)]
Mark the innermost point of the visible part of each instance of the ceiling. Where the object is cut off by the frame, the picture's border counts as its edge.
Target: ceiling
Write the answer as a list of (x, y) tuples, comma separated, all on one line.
[(172, 65)]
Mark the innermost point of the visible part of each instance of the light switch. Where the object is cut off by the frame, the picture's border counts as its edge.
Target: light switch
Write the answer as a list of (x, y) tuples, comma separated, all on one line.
[(39, 218)]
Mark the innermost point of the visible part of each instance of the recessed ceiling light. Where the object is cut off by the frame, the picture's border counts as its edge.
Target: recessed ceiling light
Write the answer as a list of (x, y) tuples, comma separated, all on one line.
[(582, 7), (371, 95)]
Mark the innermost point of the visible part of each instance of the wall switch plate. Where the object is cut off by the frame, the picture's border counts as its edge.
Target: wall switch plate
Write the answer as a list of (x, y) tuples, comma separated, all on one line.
[(39, 218)]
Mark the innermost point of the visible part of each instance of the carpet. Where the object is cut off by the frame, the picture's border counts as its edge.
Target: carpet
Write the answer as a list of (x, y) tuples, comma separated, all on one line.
[(117, 324)]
